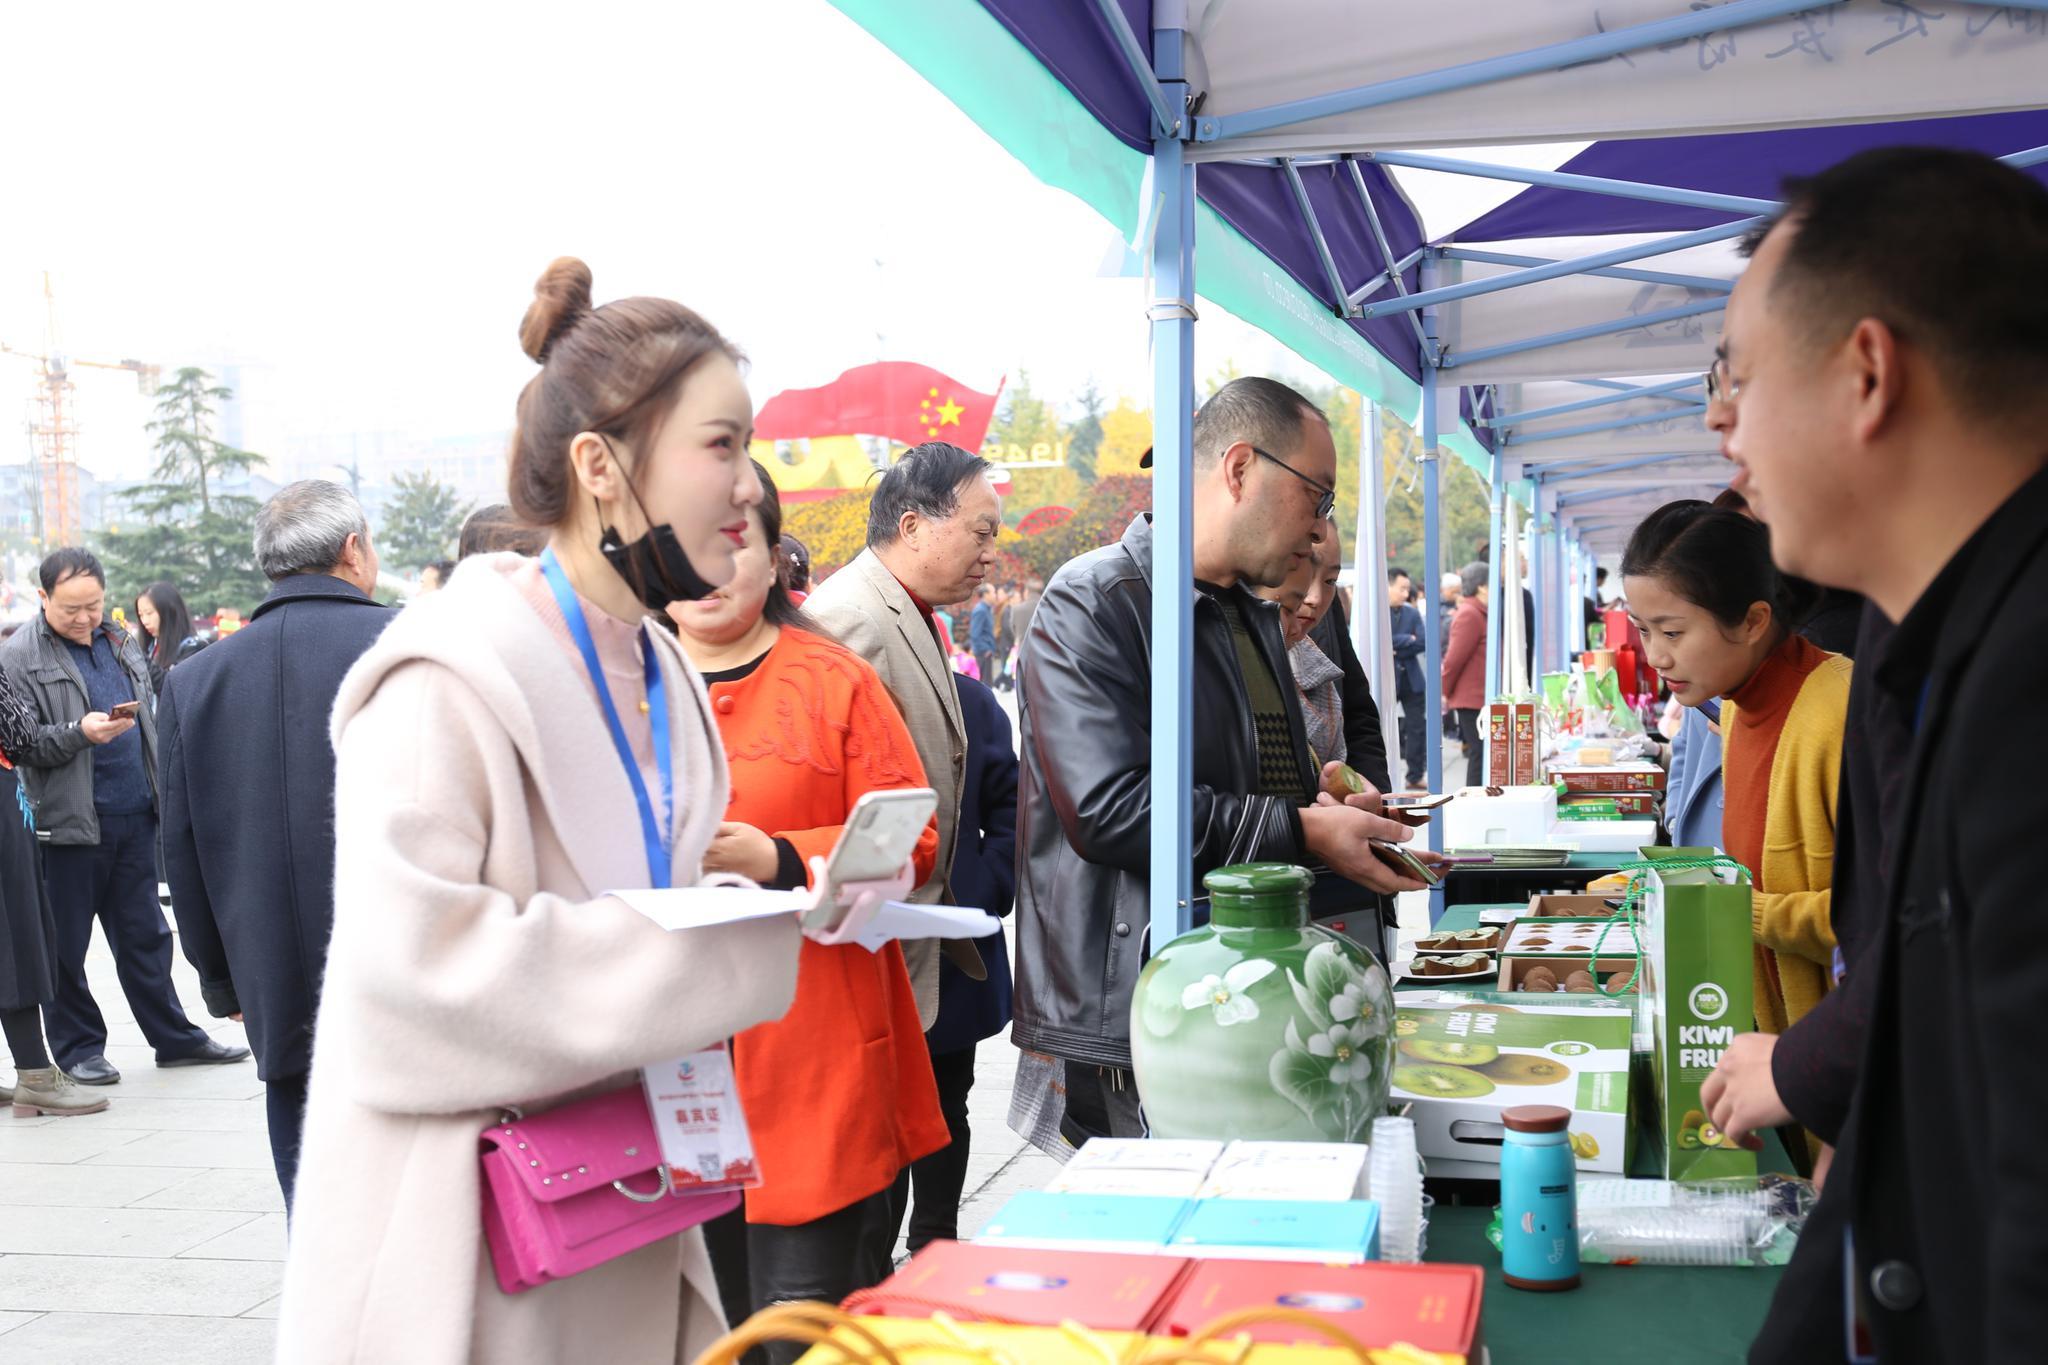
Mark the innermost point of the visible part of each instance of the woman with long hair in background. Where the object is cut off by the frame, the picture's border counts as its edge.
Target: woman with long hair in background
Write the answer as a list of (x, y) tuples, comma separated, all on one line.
[(168, 637)]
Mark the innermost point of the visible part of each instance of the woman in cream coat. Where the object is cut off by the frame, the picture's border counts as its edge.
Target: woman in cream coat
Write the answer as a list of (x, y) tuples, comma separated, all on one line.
[(482, 814)]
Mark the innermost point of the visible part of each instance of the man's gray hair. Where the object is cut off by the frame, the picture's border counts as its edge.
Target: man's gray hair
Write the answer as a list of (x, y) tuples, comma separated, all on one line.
[(1263, 412), (305, 527)]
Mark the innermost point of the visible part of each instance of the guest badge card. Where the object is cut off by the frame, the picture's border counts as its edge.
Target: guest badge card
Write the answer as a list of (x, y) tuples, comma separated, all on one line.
[(700, 1124)]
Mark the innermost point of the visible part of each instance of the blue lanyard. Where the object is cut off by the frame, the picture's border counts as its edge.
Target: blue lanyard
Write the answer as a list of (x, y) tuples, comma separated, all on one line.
[(657, 709)]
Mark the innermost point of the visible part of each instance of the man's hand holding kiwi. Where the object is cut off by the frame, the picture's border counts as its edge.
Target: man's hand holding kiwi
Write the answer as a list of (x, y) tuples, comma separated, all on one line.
[(1341, 834)]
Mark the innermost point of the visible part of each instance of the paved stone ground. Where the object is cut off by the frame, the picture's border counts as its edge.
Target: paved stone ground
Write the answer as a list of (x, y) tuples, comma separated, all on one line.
[(154, 1232)]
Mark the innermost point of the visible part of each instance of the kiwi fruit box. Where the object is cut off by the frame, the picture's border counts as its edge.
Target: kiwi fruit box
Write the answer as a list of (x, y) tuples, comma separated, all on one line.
[(1461, 1064), (1557, 906), (1620, 971)]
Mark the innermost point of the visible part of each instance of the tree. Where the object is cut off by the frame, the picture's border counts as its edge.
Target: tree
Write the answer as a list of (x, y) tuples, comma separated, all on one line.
[(421, 521), (194, 532), (1025, 428), (1466, 513), (1126, 435), (1085, 437)]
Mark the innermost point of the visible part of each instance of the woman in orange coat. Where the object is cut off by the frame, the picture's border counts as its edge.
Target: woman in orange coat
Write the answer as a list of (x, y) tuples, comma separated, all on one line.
[(838, 1092)]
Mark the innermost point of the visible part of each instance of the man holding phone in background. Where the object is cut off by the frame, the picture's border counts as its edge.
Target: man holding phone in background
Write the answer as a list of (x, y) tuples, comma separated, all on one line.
[(92, 776)]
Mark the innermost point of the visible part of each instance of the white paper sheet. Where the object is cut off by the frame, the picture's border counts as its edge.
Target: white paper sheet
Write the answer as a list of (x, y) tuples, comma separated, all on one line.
[(901, 920), (698, 907)]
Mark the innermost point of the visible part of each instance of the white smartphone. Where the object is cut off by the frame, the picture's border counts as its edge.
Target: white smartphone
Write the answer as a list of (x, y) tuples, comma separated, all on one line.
[(881, 830)]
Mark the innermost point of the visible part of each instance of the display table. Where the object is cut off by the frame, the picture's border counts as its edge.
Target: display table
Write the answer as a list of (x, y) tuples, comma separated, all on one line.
[(1661, 1313), (1484, 885), (1667, 1314)]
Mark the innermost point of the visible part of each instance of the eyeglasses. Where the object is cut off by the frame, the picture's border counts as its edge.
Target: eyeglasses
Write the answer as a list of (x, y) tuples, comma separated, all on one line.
[(1325, 504), (1721, 386)]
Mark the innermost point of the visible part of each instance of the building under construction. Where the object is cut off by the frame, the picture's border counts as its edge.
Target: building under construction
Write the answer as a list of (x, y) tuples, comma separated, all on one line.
[(53, 429)]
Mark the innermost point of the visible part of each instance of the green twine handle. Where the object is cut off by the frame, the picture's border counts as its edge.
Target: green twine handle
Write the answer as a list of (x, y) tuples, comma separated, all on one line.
[(1639, 873)]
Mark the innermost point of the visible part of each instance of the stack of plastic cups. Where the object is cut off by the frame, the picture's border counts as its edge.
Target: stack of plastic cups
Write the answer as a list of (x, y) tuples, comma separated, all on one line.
[(1397, 1187)]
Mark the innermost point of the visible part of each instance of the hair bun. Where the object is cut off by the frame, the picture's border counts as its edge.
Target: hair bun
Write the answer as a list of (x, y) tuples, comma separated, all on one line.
[(561, 299)]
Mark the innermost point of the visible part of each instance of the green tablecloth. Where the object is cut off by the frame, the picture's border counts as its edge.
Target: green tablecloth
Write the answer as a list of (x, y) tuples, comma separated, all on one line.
[(1670, 1315)]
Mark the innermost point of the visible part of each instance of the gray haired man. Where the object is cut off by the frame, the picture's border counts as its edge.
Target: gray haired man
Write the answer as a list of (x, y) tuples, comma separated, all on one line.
[(248, 788)]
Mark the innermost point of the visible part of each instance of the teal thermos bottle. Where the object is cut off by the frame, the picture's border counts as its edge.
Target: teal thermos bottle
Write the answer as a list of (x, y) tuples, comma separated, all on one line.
[(1539, 1199)]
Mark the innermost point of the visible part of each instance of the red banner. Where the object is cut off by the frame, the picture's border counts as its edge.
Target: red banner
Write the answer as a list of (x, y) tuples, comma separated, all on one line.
[(899, 399)]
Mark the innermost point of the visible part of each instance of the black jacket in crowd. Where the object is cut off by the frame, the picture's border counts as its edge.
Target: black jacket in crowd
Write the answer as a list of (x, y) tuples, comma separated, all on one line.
[(1943, 1159), (248, 808), (984, 873), (1409, 645), (1085, 811)]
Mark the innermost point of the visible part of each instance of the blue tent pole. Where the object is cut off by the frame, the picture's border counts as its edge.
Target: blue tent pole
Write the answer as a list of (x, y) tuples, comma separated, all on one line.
[(1539, 540), (1173, 560), (1433, 568), (1496, 522)]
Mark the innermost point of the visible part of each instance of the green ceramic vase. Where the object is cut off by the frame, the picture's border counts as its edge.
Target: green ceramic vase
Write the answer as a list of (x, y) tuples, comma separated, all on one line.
[(1260, 1025)]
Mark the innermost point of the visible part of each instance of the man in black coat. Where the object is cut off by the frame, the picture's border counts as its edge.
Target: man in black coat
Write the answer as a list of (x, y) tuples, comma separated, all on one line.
[(1406, 624), (248, 783), (985, 877), (1263, 470), (1879, 384)]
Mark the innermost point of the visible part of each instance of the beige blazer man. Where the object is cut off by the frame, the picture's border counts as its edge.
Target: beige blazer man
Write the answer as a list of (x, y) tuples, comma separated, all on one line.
[(870, 613)]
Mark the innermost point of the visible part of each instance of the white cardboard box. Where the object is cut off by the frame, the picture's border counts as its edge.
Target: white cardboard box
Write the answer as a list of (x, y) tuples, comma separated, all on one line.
[(1491, 1057), (1169, 1167), (1322, 1172), (1519, 816)]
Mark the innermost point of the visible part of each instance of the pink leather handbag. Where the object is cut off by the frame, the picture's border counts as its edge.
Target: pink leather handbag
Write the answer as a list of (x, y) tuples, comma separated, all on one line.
[(578, 1186)]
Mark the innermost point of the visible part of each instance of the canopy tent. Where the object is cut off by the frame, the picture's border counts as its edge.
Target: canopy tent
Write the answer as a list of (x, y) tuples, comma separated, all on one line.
[(1556, 341)]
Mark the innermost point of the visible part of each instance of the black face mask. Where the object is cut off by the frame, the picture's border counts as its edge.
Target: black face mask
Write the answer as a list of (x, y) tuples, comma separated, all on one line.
[(655, 567)]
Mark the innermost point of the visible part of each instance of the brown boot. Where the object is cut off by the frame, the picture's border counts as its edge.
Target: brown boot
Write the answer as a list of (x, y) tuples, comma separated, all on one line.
[(50, 1091)]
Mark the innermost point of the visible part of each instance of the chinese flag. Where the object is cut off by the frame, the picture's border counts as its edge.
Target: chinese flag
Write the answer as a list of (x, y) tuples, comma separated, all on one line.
[(899, 399)]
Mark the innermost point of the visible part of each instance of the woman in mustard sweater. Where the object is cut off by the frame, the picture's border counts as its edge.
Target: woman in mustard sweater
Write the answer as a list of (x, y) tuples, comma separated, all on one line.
[(1717, 621)]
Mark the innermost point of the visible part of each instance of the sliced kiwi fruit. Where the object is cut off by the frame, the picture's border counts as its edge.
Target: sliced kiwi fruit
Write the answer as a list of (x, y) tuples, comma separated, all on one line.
[(1442, 1082), (1454, 1053), (1522, 1068), (1710, 1136), (1584, 1146), (1689, 1129)]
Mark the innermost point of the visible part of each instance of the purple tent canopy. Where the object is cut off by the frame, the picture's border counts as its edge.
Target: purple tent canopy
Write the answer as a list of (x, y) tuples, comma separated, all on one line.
[(1749, 164), (1075, 44)]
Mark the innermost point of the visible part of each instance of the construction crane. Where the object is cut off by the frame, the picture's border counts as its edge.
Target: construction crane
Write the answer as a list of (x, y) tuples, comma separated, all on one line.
[(53, 428)]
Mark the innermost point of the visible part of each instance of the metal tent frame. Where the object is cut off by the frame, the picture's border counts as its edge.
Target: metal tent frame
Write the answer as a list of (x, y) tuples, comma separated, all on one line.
[(1584, 437)]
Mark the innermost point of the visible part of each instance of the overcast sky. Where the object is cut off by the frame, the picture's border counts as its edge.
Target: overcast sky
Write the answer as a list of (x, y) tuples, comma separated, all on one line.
[(354, 207)]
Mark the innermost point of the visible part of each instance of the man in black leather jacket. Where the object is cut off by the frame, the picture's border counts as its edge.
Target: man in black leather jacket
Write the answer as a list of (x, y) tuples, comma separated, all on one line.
[(1263, 466)]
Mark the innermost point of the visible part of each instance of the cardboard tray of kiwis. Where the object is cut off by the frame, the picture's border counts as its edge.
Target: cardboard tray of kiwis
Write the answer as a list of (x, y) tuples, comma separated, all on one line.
[(1572, 976), (1569, 907)]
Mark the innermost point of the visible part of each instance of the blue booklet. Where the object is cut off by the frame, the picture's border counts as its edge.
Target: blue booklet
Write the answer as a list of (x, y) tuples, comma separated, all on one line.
[(1343, 1232), (1086, 1222)]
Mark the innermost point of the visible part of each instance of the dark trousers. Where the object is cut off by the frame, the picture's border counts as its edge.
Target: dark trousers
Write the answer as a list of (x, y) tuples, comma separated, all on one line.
[(115, 882), (1475, 752), (937, 1181), (285, 1104), (1102, 1101), (985, 660), (1414, 739), (759, 1264)]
